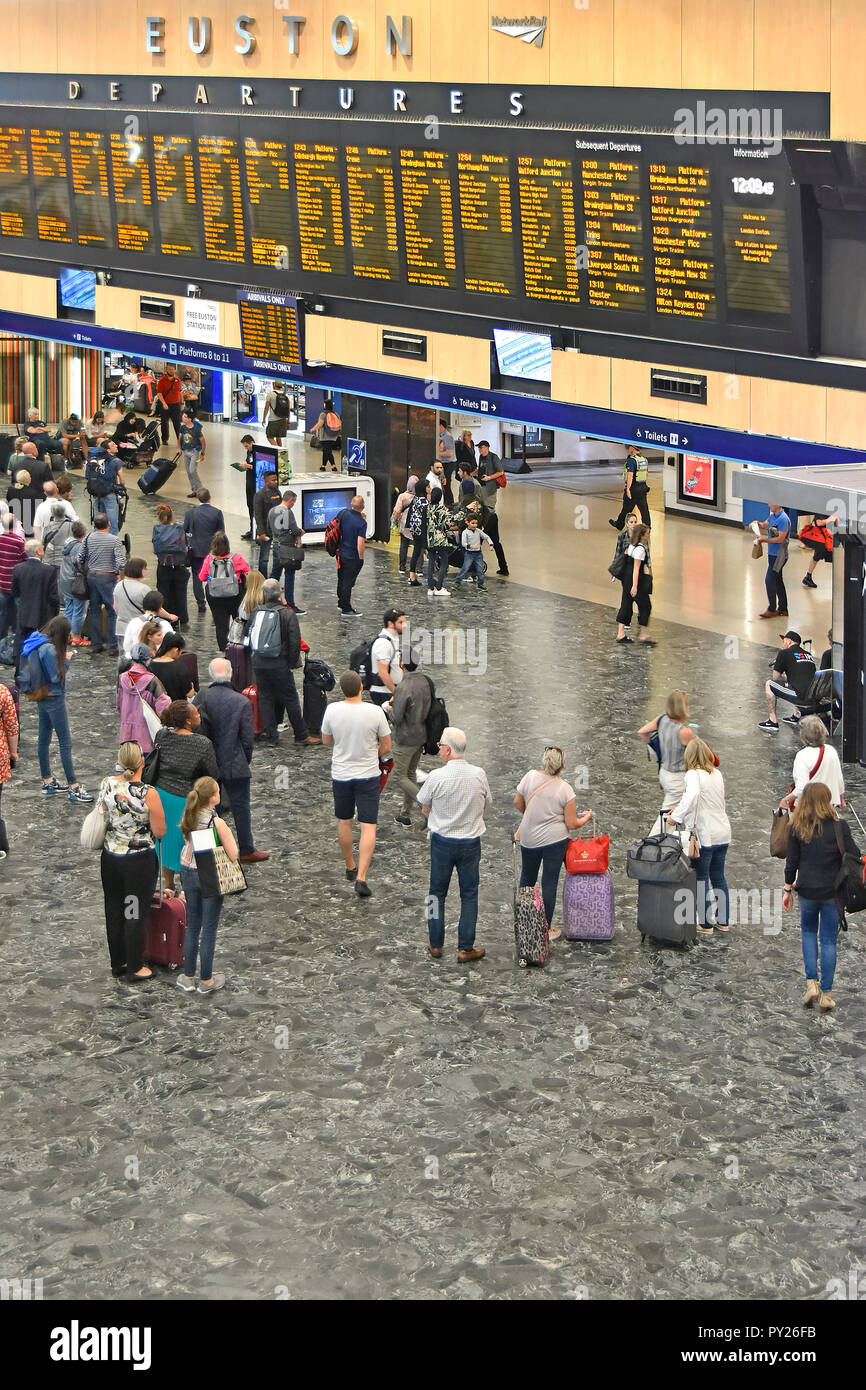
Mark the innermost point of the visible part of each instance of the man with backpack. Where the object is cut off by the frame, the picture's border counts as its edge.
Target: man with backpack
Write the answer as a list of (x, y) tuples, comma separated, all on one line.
[(385, 668), (275, 416), (143, 390), (102, 474), (288, 554), (410, 713), (275, 649), (350, 554), (267, 497)]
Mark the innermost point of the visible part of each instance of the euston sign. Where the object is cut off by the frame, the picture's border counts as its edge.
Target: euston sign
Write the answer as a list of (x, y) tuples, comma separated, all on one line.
[(344, 34)]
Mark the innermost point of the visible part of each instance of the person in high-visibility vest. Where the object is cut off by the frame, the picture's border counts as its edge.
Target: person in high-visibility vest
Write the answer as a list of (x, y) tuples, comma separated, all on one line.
[(635, 488)]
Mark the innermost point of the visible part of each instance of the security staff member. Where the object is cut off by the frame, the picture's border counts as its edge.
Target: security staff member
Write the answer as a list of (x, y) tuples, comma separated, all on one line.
[(635, 488)]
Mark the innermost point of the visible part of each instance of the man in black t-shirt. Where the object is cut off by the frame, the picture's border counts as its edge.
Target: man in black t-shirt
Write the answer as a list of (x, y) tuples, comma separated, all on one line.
[(793, 673)]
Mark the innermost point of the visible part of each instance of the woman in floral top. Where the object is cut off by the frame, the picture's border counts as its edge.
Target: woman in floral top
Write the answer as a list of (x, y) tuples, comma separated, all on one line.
[(134, 822), (439, 523), (8, 751)]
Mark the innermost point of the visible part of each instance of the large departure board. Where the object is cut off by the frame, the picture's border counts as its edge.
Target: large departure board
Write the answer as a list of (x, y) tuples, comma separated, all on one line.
[(428, 214), (270, 335), (546, 197), (133, 193), (486, 222), (270, 204), (372, 212), (16, 205), (88, 166), (222, 209), (632, 234), (51, 184), (177, 206), (682, 235), (320, 209)]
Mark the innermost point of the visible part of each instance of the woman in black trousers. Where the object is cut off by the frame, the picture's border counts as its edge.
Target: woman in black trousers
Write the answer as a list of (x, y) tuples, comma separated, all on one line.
[(172, 569), (134, 822), (637, 587)]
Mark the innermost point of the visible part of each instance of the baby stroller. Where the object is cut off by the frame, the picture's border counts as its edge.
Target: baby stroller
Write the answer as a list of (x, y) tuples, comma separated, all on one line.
[(141, 455), (122, 496)]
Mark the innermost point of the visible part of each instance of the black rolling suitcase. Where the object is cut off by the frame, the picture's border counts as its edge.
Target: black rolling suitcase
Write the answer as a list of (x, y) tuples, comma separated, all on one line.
[(667, 889), (159, 472), (318, 677)]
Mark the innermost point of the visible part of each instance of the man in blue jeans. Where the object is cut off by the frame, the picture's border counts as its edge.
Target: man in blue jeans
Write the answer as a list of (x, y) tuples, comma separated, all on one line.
[(776, 528), (102, 473), (453, 799), (102, 559)]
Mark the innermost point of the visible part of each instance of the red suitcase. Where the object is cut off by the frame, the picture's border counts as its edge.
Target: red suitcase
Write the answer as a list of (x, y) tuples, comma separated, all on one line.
[(165, 932), (252, 695)]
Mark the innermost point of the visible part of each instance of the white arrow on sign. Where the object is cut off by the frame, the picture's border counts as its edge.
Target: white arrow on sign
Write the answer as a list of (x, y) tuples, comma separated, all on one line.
[(163, 347), (492, 408), (685, 439)]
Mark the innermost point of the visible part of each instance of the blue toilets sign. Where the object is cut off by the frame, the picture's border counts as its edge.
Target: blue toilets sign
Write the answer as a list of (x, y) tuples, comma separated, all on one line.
[(356, 453)]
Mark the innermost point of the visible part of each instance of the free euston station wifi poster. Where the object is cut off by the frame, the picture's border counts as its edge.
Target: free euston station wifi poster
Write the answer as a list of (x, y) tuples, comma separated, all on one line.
[(622, 233)]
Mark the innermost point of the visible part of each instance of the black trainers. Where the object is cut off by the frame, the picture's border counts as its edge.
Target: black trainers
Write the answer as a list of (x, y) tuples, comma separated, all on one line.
[(792, 719), (403, 820), (361, 889), (769, 725), (809, 582)]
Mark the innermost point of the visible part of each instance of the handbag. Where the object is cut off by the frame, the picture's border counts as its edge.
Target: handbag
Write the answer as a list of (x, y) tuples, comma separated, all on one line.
[(238, 632), (779, 832), (292, 556), (758, 550), (94, 827), (618, 565), (78, 587), (150, 772), (588, 854), (218, 877)]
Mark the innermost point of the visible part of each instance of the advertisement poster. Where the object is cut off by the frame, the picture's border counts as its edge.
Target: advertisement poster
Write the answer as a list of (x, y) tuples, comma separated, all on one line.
[(698, 479)]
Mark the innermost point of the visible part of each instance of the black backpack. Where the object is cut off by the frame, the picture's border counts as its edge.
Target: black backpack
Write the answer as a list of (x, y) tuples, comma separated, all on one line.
[(361, 660), (96, 481), (436, 722), (281, 405), (319, 674), (850, 882)]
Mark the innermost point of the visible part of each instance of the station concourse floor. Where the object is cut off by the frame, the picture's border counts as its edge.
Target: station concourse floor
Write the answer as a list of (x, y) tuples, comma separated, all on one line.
[(349, 1119)]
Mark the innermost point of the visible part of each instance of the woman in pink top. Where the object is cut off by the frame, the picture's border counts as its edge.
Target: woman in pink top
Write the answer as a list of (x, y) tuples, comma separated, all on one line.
[(138, 684), (224, 574)]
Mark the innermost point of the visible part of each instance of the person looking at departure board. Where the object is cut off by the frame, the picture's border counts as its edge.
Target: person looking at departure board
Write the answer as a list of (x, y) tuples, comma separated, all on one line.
[(634, 488), (447, 456), (169, 398), (192, 446), (327, 430), (275, 416)]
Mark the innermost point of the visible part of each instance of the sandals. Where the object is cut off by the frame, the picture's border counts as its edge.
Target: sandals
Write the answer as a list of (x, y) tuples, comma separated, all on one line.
[(555, 933)]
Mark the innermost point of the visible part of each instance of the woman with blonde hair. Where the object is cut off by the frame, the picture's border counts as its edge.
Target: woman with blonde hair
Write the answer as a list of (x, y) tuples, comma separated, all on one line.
[(702, 810), (549, 819), (202, 914), (134, 822), (812, 867), (252, 595), (673, 735)]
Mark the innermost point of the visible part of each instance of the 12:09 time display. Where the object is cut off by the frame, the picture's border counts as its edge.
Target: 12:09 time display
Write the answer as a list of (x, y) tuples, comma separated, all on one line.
[(742, 185)]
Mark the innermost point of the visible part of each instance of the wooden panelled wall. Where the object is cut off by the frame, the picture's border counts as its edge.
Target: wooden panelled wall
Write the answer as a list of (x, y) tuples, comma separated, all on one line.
[(787, 45)]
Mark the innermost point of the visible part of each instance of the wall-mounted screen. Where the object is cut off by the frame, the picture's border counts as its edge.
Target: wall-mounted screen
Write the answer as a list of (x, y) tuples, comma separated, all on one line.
[(77, 289), (270, 330), (526, 355)]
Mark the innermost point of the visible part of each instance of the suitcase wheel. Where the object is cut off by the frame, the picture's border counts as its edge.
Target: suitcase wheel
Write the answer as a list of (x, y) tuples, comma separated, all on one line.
[(522, 961)]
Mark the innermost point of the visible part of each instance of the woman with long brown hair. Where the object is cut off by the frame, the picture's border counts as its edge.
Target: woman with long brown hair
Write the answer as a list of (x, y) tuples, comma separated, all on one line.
[(637, 587), (812, 867), (172, 567), (49, 650), (202, 914)]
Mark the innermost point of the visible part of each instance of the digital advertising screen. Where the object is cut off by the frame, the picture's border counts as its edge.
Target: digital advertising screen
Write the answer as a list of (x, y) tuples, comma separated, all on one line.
[(698, 479), (628, 233), (77, 289), (528, 355), (318, 508)]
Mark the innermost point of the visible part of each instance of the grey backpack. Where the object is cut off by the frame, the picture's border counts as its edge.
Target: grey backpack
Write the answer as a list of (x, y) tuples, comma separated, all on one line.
[(222, 580)]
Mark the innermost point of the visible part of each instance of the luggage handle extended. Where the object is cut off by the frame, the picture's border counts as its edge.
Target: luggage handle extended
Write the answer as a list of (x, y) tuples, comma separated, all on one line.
[(849, 807), (593, 830), (538, 902)]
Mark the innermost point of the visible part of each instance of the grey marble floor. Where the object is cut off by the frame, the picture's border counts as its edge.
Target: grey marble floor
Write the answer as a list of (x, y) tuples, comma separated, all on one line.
[(349, 1119)]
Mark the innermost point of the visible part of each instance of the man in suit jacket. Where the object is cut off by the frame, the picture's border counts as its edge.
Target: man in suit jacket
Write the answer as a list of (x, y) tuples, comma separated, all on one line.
[(201, 524), (34, 592), (229, 717)]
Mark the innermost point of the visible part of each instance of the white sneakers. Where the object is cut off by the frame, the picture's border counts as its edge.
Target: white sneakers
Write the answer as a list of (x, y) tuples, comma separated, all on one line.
[(438, 593)]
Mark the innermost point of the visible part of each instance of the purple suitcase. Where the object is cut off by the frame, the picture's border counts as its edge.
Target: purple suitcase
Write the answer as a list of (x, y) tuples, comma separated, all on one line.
[(242, 671), (587, 907)]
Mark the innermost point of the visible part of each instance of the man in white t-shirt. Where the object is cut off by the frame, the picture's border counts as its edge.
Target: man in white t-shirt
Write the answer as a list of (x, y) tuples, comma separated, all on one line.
[(385, 657), (152, 605), (42, 514), (359, 736)]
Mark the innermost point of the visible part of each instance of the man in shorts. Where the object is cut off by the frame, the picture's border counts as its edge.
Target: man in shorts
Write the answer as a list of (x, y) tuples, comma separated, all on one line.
[(275, 416), (359, 736)]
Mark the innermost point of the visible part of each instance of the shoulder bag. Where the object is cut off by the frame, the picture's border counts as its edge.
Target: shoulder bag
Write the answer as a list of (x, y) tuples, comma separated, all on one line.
[(94, 827), (149, 714), (218, 877)]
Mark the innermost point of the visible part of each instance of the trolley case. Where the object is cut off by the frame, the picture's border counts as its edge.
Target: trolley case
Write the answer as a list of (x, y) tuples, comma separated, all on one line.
[(667, 893), (315, 704), (238, 654), (588, 907), (252, 694), (165, 931), (531, 932), (153, 478)]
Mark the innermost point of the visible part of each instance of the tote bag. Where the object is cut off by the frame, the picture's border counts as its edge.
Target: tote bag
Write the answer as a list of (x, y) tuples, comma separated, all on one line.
[(218, 877), (588, 854)]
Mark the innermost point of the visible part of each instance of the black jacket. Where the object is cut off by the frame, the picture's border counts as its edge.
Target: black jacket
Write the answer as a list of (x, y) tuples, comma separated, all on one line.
[(290, 631), (231, 719), (201, 525), (34, 585), (817, 863), (264, 499), (40, 472)]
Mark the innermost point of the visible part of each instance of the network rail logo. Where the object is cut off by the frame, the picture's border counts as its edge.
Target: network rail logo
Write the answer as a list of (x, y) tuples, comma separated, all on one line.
[(530, 29)]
